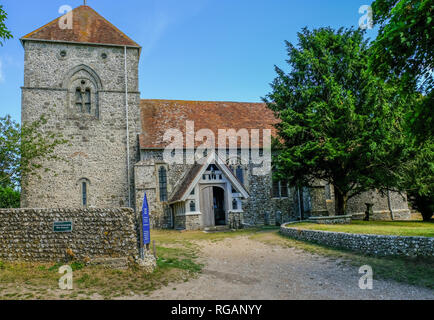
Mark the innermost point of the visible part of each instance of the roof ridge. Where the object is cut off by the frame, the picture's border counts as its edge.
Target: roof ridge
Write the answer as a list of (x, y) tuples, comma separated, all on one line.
[(222, 101)]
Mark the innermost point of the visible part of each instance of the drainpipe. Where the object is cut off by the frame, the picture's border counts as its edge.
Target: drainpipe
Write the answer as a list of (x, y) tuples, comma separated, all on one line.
[(128, 131), (390, 204)]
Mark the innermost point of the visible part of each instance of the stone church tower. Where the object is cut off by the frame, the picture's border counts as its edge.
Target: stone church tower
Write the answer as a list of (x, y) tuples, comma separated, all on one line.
[(84, 78)]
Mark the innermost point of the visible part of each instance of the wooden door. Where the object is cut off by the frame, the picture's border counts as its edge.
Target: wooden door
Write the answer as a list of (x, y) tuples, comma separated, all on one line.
[(207, 207)]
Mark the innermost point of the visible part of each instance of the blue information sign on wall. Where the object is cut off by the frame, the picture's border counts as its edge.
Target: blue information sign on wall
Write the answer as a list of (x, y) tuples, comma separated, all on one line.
[(145, 222)]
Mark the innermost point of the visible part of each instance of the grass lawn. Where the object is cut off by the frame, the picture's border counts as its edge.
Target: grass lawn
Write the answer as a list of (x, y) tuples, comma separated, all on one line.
[(398, 228)]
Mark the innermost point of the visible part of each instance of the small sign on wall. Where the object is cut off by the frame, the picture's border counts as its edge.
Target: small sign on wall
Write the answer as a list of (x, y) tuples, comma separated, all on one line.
[(62, 226)]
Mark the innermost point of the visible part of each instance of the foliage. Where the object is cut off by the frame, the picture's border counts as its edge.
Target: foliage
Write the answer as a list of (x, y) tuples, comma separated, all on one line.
[(404, 48), (418, 179), (23, 150), (339, 122), (4, 32), (9, 198)]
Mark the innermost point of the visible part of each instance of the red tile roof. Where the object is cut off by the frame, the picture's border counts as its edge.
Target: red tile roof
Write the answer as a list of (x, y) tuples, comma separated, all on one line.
[(88, 27), (158, 116)]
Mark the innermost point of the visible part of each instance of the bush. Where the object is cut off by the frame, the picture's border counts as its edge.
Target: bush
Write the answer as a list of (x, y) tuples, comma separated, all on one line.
[(9, 198)]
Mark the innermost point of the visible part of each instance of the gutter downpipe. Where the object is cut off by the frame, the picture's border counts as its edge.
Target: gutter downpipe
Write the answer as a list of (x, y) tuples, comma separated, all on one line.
[(128, 131)]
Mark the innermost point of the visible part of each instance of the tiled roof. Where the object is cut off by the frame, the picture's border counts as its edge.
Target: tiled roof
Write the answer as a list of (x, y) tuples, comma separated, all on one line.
[(88, 27), (183, 186), (158, 116)]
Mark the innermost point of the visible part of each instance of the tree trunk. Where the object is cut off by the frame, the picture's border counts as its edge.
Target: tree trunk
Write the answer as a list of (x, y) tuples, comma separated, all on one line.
[(340, 203)]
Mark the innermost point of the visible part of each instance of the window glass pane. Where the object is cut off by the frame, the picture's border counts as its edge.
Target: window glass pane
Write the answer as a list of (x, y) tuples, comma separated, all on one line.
[(84, 193), (240, 174), (78, 100), (87, 100), (162, 177), (284, 189), (276, 192), (192, 206), (234, 204)]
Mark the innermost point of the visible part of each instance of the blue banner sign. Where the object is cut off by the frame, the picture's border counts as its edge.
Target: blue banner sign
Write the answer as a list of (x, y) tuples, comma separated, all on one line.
[(145, 222)]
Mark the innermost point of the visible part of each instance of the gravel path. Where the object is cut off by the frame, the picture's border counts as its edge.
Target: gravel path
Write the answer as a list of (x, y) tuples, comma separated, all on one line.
[(240, 268)]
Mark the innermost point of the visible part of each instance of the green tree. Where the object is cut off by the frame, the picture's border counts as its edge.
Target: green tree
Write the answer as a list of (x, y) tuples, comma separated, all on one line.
[(4, 32), (9, 197), (418, 179), (404, 49), (338, 122), (23, 152)]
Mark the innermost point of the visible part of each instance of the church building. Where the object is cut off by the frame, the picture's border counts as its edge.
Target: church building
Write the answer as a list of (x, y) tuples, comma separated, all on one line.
[(83, 74)]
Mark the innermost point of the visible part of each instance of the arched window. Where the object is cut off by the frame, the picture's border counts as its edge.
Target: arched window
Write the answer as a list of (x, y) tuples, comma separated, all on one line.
[(84, 191), (162, 179), (83, 86), (234, 204), (192, 206)]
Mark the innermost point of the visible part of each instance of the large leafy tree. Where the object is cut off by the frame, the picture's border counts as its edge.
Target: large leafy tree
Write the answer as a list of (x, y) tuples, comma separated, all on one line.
[(4, 32), (338, 122), (404, 49), (23, 152)]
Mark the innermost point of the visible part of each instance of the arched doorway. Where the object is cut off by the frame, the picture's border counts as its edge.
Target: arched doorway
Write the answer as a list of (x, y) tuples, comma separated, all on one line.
[(213, 206), (219, 206)]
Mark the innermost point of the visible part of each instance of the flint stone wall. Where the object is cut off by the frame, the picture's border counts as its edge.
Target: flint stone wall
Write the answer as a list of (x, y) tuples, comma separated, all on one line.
[(383, 245), (27, 234), (331, 219)]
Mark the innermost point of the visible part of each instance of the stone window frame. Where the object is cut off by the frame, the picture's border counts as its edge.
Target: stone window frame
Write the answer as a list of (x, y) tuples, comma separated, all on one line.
[(90, 76), (163, 192), (84, 192)]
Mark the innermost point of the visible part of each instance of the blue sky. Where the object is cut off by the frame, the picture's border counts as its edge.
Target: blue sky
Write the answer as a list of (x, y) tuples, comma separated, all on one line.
[(192, 49)]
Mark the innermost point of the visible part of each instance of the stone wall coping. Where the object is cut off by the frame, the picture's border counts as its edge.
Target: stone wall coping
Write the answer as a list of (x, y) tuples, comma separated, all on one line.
[(121, 209), (383, 245), (390, 236), (330, 217)]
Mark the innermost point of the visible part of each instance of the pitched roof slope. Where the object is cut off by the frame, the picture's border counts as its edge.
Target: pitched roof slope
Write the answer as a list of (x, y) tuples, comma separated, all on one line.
[(87, 26), (157, 116), (186, 182)]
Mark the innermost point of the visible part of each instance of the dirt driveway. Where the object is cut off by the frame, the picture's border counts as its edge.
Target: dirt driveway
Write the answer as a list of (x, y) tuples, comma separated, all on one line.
[(242, 268)]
